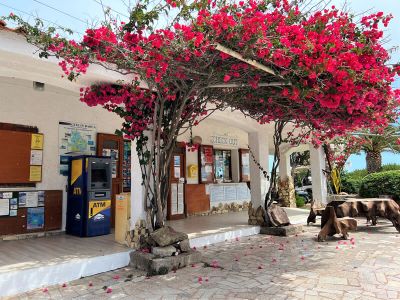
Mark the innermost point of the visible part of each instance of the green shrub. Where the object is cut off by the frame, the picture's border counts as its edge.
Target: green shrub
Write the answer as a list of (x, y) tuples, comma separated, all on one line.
[(382, 183), (351, 181), (350, 185), (300, 202)]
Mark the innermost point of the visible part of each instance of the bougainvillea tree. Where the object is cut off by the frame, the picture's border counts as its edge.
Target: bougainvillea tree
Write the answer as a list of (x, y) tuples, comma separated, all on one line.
[(321, 71)]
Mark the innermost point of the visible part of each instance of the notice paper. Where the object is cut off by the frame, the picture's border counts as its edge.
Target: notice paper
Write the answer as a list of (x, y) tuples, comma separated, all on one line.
[(35, 173), (4, 207), (7, 195), (36, 157), (37, 142), (31, 199)]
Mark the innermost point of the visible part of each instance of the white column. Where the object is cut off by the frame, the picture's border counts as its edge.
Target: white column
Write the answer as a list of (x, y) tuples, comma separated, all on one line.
[(138, 209), (284, 165), (319, 187), (258, 143)]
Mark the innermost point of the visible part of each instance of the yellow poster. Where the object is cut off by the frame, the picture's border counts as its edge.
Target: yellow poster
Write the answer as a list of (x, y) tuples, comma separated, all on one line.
[(37, 141), (35, 173), (335, 175), (97, 206)]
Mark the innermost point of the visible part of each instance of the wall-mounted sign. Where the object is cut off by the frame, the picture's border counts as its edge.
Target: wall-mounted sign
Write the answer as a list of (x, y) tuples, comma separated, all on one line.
[(35, 173), (36, 157), (224, 139), (37, 141)]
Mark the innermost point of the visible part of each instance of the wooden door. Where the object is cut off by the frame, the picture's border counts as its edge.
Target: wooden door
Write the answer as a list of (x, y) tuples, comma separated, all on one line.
[(112, 145), (176, 199), (52, 210)]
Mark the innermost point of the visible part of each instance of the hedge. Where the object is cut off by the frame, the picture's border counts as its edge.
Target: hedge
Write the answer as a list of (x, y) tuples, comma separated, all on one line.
[(383, 183), (351, 181)]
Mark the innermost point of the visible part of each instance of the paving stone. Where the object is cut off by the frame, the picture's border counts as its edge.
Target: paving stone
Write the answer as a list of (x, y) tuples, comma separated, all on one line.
[(255, 268)]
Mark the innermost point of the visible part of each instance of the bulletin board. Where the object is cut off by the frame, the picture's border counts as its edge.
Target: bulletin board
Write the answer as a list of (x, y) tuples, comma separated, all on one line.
[(21, 157)]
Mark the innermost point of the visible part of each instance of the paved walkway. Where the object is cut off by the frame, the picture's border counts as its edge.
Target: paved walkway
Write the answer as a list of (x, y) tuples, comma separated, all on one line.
[(263, 267)]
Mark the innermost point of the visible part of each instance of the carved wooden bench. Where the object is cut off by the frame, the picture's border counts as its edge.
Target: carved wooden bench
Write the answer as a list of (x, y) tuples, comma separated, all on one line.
[(371, 208), (315, 210), (331, 224)]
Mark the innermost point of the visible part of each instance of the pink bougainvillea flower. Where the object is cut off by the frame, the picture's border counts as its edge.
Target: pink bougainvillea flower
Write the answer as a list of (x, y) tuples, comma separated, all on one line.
[(64, 285), (214, 264), (109, 290), (116, 277), (206, 279), (45, 290), (200, 279), (302, 257)]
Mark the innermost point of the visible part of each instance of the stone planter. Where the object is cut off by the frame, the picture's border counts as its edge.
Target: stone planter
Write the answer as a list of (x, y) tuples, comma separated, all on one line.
[(155, 265)]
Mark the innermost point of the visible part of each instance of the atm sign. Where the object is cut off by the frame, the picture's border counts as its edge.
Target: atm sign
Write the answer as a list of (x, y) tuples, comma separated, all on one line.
[(97, 206)]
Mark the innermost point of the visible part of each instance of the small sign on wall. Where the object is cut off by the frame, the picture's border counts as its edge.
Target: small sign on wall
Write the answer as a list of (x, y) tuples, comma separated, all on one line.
[(36, 157), (37, 141), (35, 173), (225, 139)]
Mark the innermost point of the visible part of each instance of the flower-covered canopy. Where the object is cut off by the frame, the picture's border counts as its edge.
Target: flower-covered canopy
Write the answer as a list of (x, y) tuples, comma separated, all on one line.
[(324, 71)]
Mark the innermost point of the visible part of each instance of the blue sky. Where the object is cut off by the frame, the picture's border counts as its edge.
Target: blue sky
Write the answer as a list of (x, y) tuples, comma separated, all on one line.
[(83, 12)]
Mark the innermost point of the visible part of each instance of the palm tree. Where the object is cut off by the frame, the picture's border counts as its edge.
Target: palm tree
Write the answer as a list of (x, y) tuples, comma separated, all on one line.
[(374, 144)]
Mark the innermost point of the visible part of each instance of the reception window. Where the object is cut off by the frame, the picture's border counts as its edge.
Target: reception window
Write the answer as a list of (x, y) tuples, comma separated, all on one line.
[(206, 164), (222, 165)]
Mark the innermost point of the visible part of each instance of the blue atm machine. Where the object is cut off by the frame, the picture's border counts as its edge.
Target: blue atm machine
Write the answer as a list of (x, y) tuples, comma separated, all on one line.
[(89, 196)]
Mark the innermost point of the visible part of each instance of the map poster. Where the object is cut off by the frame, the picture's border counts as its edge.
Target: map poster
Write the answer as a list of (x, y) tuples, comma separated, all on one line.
[(75, 139)]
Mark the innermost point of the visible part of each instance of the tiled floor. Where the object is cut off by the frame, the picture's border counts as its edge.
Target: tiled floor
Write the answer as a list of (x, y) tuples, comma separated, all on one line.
[(39, 252), (213, 224), (263, 267)]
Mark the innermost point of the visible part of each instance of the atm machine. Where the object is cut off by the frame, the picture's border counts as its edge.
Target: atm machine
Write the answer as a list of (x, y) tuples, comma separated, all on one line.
[(89, 196)]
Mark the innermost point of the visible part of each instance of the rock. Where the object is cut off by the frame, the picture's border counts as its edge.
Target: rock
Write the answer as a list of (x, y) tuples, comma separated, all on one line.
[(166, 236), (282, 231), (163, 251), (184, 245), (277, 216)]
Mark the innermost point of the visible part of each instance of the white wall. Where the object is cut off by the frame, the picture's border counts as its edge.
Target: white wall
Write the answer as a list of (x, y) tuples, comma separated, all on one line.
[(21, 104)]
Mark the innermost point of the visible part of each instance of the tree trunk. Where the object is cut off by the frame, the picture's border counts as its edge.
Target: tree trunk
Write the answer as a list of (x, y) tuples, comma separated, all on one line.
[(374, 161)]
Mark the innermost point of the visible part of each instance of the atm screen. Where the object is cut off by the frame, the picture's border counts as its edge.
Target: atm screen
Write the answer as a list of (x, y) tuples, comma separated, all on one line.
[(99, 175)]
